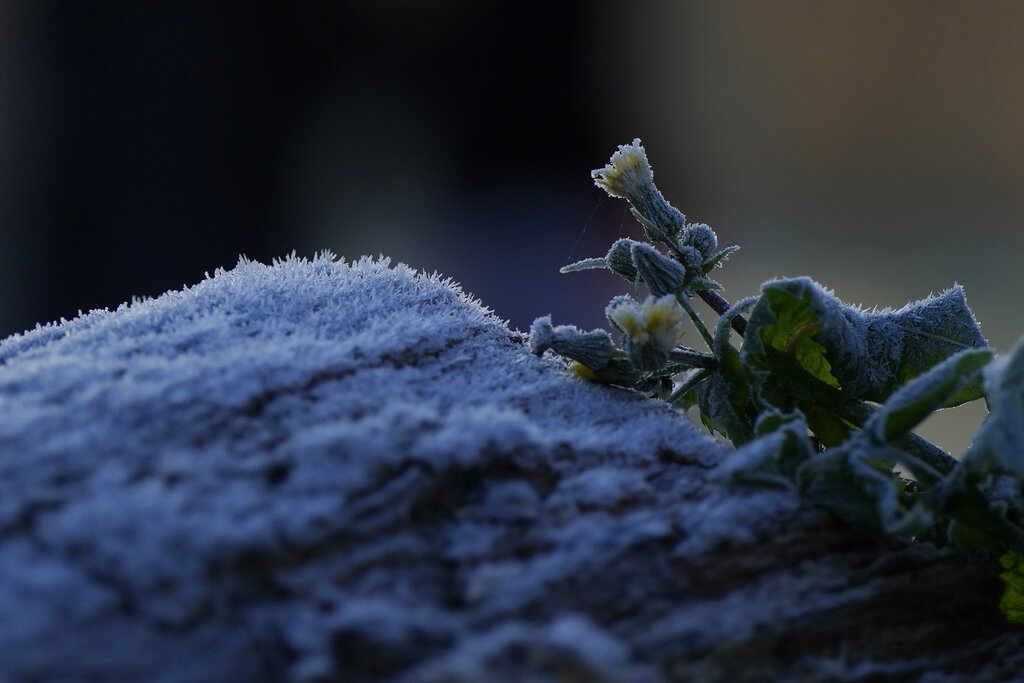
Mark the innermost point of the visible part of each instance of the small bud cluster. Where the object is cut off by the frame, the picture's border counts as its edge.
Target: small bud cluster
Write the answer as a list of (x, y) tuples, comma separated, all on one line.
[(692, 247), (819, 396), (628, 175), (673, 264)]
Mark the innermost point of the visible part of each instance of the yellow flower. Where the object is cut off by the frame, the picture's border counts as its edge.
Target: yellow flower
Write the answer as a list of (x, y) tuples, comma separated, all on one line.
[(627, 174), (656, 321)]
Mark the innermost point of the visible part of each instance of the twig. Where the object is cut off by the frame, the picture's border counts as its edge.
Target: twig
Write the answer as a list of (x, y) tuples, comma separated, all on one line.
[(720, 306)]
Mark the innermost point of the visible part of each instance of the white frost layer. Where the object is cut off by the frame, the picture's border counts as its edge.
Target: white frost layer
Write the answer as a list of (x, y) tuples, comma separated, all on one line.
[(147, 452)]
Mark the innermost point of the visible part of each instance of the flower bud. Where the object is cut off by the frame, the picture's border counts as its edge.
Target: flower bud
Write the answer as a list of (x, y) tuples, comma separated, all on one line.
[(662, 275), (702, 238), (628, 175), (620, 259), (593, 349)]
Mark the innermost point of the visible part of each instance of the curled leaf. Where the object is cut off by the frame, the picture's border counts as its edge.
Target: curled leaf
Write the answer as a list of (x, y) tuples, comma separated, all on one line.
[(998, 447), (800, 330), (772, 459), (795, 334), (856, 482), (926, 393), (905, 343)]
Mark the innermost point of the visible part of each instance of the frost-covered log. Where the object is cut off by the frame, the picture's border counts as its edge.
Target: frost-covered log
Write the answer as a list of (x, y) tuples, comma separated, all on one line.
[(316, 471)]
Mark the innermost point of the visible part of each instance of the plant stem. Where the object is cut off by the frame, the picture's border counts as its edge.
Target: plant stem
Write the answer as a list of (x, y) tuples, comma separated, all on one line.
[(683, 389), (692, 358), (719, 305), (858, 412), (698, 323)]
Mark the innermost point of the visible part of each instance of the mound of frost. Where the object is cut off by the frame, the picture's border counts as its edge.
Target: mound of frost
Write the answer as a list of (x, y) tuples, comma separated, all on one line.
[(170, 469)]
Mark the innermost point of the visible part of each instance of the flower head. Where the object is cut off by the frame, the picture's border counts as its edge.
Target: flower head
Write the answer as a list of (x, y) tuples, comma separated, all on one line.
[(651, 329), (627, 174)]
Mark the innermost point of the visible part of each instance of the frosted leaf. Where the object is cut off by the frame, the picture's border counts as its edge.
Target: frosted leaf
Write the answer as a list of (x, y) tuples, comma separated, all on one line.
[(904, 343), (937, 388), (800, 327), (773, 458), (797, 331), (850, 481), (722, 410), (585, 264), (998, 446)]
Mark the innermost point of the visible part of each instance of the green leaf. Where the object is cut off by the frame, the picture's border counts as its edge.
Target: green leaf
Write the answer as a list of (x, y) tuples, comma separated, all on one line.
[(800, 331), (998, 446), (783, 345), (904, 344), (830, 428), (724, 398), (585, 264), (926, 393), (772, 459), (1012, 602), (723, 408), (856, 482), (684, 395)]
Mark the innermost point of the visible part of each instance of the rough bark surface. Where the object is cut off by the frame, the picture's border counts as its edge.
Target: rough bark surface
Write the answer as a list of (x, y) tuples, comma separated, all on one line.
[(318, 471)]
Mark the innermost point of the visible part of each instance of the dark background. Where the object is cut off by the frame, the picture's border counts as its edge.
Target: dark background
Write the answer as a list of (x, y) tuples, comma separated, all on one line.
[(877, 146)]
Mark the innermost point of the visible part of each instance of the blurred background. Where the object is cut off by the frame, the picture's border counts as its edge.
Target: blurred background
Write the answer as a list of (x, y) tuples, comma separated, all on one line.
[(876, 146)]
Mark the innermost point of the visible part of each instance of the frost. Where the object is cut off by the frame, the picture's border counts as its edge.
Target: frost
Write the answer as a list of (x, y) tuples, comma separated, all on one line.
[(570, 648), (717, 521), (602, 487), (157, 460)]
